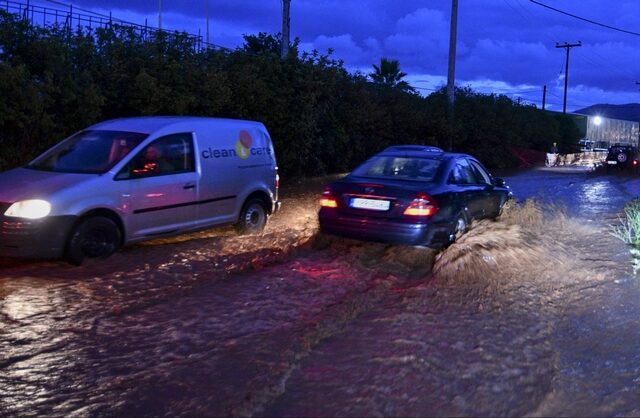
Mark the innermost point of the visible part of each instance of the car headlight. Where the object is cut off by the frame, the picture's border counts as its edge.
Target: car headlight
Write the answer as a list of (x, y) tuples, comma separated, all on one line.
[(30, 209)]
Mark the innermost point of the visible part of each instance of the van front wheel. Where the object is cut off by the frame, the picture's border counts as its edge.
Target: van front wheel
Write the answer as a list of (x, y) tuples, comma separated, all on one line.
[(253, 217), (95, 237)]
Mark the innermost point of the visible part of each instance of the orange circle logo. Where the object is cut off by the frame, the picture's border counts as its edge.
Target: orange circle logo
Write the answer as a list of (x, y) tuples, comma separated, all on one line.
[(243, 145)]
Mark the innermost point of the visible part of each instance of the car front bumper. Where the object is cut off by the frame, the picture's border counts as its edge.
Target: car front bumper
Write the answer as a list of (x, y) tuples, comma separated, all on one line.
[(381, 230), (34, 238)]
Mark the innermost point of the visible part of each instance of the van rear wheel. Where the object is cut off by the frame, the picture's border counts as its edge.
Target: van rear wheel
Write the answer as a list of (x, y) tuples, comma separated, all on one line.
[(253, 217), (94, 237)]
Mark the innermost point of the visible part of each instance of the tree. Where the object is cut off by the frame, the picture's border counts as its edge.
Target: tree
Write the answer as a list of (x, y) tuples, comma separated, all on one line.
[(389, 74)]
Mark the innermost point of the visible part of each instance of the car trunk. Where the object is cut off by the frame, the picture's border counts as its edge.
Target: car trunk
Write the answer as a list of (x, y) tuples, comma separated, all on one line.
[(376, 198)]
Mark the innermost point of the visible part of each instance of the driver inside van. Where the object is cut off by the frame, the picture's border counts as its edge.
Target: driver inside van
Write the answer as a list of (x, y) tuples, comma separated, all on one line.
[(152, 162)]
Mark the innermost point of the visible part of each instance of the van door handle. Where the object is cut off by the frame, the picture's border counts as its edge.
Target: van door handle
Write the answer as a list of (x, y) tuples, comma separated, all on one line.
[(189, 186)]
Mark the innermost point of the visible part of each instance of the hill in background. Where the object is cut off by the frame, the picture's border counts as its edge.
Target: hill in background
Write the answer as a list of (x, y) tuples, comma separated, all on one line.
[(630, 111)]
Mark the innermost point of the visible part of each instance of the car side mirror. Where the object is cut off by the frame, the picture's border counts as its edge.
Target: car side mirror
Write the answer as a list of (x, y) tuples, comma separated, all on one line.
[(497, 181)]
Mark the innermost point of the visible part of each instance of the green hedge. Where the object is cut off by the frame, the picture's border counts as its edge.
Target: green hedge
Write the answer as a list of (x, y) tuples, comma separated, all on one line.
[(322, 118)]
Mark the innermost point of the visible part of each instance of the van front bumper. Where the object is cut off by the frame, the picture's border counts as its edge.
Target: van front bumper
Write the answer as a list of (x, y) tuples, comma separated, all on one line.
[(34, 238)]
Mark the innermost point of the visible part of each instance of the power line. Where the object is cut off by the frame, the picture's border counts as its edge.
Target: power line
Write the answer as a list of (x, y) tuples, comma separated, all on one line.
[(598, 60), (585, 19), (528, 16)]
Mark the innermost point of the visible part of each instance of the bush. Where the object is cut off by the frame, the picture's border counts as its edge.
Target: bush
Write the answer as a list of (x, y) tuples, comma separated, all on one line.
[(628, 227)]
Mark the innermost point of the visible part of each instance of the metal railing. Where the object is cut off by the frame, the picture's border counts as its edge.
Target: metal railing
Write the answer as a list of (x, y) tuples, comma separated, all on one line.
[(81, 19)]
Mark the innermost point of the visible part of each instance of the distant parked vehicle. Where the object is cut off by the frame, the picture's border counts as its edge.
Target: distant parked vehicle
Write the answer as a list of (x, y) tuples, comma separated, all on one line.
[(623, 157), (587, 145), (410, 194), (129, 180)]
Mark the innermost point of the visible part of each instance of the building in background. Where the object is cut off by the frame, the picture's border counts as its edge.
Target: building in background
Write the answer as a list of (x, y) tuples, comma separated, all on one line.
[(599, 132)]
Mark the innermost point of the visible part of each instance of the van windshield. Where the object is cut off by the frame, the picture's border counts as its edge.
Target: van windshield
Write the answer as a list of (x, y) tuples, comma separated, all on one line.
[(90, 152)]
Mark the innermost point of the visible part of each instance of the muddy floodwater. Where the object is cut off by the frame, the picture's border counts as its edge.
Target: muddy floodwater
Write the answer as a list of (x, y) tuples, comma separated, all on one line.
[(537, 313)]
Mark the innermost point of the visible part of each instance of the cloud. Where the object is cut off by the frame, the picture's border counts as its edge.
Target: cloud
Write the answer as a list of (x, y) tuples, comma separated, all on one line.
[(509, 60), (344, 47), (611, 65), (424, 21)]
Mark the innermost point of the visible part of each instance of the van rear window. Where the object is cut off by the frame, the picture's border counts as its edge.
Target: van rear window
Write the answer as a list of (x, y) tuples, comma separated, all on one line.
[(90, 152)]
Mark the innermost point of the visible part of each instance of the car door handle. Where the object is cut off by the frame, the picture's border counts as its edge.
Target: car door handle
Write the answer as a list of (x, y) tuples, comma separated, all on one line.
[(189, 186)]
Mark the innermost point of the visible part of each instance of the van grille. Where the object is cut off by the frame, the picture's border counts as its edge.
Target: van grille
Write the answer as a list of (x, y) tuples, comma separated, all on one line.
[(21, 227)]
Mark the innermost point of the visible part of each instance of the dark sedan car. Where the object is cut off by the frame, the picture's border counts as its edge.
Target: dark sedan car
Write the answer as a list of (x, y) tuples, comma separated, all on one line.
[(410, 194)]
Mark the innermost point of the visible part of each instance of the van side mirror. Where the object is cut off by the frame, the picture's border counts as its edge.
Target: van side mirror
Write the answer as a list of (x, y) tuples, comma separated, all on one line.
[(497, 181), (125, 173)]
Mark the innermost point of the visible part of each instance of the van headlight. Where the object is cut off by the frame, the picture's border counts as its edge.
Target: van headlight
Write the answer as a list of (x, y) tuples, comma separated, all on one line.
[(30, 209)]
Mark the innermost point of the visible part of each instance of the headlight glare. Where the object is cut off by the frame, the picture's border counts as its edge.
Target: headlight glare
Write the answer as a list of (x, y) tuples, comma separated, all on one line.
[(30, 209)]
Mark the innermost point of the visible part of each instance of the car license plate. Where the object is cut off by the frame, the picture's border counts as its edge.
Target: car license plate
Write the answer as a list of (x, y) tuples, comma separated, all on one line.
[(612, 162), (371, 204)]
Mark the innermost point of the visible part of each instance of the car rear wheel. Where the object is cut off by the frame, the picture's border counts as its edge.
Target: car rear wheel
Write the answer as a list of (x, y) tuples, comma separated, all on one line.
[(253, 217), (459, 228), (94, 237)]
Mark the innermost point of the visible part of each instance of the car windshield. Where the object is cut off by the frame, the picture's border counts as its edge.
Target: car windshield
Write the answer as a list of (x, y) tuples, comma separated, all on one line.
[(402, 168), (91, 152)]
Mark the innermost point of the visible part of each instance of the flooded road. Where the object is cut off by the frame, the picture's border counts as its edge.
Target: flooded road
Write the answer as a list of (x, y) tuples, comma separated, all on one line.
[(532, 315)]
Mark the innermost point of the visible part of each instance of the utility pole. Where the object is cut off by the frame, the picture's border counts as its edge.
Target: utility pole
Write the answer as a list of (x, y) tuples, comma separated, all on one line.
[(286, 4), (206, 12), (566, 71), (544, 96), (451, 73)]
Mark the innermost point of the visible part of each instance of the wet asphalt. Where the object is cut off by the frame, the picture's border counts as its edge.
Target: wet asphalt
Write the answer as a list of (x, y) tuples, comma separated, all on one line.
[(293, 324)]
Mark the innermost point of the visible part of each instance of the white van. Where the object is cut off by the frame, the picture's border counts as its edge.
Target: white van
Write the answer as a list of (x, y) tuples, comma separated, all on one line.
[(128, 180)]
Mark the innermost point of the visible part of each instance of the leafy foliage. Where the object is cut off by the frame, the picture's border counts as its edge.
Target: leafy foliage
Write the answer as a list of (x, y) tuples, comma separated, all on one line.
[(628, 231), (628, 227), (322, 118), (388, 74)]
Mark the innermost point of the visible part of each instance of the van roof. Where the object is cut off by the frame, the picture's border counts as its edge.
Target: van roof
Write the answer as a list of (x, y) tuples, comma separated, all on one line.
[(150, 124)]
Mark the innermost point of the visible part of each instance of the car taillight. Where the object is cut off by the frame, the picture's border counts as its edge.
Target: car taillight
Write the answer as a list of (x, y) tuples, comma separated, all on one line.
[(328, 200), (635, 163), (277, 179), (422, 205)]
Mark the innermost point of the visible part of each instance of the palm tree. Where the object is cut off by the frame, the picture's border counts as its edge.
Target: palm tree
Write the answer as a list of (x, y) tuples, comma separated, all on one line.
[(389, 74)]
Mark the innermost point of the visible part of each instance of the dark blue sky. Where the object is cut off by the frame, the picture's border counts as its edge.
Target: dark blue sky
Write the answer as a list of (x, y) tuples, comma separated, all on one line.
[(504, 46)]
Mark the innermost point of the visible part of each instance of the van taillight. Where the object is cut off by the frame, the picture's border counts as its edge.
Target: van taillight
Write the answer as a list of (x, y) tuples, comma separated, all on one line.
[(422, 205), (328, 200)]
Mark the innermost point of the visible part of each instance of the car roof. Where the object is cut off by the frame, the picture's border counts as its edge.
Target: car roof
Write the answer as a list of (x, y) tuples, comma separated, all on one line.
[(421, 151), (150, 124)]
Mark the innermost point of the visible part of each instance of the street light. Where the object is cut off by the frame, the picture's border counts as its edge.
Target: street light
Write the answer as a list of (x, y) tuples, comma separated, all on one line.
[(597, 120)]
